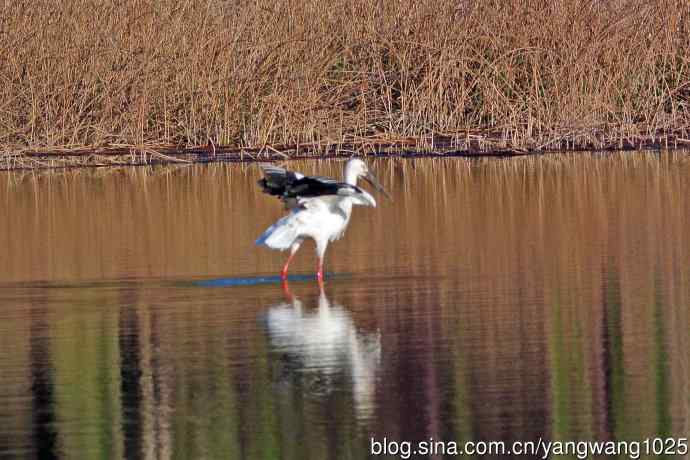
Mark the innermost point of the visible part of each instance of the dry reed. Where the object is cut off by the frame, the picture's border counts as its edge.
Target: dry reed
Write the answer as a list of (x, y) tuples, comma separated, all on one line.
[(343, 75)]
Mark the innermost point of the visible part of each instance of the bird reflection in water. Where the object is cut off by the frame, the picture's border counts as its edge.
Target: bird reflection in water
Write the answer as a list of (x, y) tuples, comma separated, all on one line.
[(322, 344)]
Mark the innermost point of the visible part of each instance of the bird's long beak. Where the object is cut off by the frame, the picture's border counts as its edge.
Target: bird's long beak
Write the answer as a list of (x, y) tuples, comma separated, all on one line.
[(369, 177)]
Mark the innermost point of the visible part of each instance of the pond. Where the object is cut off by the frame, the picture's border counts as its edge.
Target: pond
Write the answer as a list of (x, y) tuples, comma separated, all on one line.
[(540, 298)]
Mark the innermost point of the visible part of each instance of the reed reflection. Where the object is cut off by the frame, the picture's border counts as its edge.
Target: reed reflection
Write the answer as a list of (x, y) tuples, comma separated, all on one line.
[(317, 340), (544, 297)]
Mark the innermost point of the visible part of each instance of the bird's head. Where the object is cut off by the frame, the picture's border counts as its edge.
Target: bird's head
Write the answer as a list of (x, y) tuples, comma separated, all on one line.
[(356, 169)]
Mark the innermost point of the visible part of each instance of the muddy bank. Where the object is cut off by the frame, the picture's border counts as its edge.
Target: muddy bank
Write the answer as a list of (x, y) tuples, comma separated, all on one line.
[(472, 145)]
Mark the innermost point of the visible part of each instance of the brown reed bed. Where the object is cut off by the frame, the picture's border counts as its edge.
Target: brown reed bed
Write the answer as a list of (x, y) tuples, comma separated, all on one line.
[(97, 82)]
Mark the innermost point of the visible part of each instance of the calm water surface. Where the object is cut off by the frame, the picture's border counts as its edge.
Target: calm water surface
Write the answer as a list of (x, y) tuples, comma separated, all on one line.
[(492, 300)]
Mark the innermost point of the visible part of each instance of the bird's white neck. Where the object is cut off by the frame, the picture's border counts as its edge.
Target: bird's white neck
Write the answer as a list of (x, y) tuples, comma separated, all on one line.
[(350, 175)]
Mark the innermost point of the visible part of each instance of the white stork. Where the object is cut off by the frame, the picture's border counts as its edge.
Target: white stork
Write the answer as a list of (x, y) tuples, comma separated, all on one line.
[(320, 208)]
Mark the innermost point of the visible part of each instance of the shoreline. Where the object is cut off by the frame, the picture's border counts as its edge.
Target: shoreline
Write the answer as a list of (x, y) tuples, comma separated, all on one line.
[(471, 146)]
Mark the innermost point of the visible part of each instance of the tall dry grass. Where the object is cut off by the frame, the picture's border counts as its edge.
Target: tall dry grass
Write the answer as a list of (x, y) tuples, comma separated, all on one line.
[(522, 73)]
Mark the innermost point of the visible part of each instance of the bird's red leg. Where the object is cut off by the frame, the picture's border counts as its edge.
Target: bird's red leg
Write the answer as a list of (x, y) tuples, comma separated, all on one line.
[(284, 272), (286, 290)]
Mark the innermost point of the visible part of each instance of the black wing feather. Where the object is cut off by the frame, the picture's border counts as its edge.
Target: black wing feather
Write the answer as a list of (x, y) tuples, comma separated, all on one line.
[(288, 185)]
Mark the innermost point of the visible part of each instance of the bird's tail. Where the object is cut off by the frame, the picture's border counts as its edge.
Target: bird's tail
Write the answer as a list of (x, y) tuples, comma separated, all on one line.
[(280, 235)]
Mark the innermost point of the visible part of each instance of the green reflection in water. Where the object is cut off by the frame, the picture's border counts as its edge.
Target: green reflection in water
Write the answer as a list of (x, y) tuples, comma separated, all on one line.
[(660, 363), (464, 420), (615, 365), (570, 385), (87, 386)]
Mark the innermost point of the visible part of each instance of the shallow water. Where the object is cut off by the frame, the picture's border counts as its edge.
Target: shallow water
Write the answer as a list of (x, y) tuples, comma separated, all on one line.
[(491, 300)]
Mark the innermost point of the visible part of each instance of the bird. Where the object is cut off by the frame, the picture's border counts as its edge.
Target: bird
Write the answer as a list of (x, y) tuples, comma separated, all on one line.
[(319, 208), (320, 341)]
